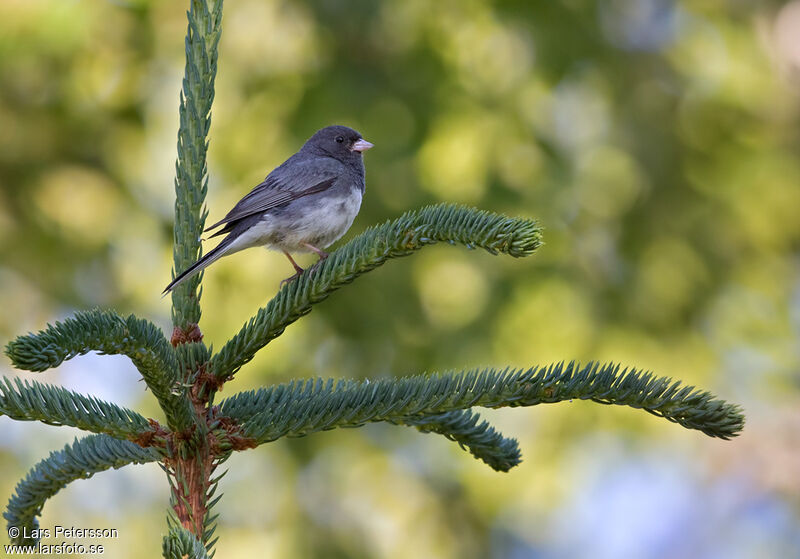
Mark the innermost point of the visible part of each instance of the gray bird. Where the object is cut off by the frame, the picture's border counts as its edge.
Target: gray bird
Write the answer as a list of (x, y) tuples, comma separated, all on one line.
[(304, 205)]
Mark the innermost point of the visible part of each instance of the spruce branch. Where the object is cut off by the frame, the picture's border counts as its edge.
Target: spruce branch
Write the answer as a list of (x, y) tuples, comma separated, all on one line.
[(480, 439), (412, 231), (80, 460), (191, 172), (180, 543), (461, 426), (108, 333), (53, 405), (302, 408)]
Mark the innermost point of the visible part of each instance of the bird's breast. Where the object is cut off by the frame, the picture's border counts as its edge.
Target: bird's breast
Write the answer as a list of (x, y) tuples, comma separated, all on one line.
[(318, 220)]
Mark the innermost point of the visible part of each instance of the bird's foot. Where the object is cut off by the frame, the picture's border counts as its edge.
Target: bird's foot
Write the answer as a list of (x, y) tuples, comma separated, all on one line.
[(290, 279), (313, 268), (322, 258), (297, 270)]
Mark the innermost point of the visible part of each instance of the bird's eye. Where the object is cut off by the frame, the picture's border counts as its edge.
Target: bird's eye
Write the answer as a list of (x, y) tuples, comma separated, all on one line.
[(340, 139)]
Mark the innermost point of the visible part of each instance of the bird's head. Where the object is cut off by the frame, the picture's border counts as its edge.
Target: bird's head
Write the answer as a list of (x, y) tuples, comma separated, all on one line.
[(340, 142)]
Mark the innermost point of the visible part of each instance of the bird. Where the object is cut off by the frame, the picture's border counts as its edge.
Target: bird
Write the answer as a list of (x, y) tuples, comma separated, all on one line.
[(304, 205)]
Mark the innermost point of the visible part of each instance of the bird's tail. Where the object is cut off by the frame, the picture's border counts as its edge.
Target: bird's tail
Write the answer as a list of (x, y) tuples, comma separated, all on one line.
[(218, 252)]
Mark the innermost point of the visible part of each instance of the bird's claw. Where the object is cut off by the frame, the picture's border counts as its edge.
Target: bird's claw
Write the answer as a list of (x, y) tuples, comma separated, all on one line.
[(316, 265), (290, 279)]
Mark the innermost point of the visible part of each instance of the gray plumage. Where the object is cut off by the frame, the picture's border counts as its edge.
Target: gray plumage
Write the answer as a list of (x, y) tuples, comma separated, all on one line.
[(304, 205)]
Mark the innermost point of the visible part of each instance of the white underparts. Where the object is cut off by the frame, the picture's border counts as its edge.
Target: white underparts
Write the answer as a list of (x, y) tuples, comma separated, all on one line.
[(319, 224)]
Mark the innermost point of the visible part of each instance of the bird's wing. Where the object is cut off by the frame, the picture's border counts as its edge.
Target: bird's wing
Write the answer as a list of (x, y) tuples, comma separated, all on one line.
[(290, 181)]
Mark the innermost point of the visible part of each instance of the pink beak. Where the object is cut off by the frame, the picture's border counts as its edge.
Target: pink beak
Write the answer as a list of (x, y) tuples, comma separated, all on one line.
[(361, 146)]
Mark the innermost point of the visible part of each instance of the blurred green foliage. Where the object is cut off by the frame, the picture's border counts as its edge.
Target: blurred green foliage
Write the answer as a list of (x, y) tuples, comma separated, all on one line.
[(656, 141)]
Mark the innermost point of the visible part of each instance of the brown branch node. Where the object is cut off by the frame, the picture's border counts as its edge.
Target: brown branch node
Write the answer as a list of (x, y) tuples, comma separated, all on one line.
[(157, 436), (191, 334)]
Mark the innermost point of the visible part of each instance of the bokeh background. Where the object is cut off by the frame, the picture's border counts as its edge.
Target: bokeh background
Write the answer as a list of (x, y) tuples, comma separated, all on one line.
[(656, 140)]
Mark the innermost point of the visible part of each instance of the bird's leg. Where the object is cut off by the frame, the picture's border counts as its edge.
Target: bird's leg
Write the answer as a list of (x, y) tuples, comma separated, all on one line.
[(298, 270), (321, 253)]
